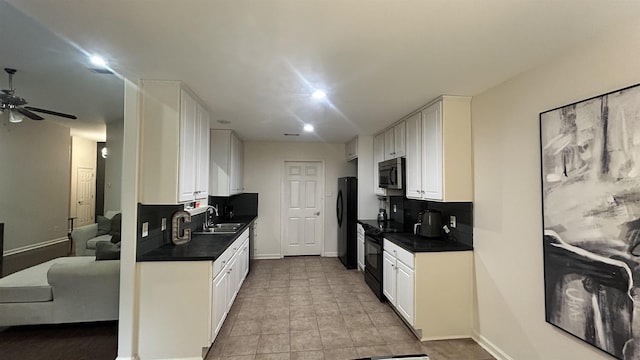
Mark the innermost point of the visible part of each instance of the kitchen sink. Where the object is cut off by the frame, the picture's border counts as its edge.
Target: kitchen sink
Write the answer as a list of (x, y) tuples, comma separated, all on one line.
[(222, 228), (234, 226)]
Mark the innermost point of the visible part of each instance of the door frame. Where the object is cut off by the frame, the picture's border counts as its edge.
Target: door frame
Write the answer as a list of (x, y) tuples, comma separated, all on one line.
[(321, 220)]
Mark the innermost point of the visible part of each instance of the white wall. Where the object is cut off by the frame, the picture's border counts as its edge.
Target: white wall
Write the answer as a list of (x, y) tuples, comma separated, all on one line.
[(113, 165), (263, 164), (368, 203), (34, 182), (507, 206)]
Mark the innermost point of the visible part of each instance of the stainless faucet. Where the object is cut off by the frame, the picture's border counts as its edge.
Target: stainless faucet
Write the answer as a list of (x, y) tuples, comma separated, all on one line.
[(208, 221)]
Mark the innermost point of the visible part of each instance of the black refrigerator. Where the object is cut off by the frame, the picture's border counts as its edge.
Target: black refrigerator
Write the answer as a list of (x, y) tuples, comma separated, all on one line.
[(347, 215)]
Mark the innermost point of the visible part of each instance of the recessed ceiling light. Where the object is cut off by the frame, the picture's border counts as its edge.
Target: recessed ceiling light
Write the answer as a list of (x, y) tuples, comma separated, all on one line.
[(98, 61), (308, 128), (319, 95)]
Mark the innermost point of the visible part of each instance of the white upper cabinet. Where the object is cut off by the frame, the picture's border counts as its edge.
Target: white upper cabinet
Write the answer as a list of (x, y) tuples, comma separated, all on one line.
[(378, 155), (351, 149), (188, 147), (394, 141), (399, 136), (438, 159), (413, 163), (226, 163), (389, 144), (172, 150), (432, 171), (202, 170)]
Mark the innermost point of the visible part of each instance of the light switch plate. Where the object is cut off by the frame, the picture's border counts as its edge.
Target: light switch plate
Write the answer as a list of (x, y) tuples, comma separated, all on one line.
[(145, 229), (164, 224)]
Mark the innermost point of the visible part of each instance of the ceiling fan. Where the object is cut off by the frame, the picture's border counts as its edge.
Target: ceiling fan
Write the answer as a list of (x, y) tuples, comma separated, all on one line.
[(15, 104)]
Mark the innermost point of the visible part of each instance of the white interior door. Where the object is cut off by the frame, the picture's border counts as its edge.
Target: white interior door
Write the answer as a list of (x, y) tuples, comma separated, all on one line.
[(302, 208), (85, 197)]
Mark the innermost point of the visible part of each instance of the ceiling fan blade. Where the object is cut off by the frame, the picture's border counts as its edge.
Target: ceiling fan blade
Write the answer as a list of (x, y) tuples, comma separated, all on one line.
[(51, 112), (29, 114)]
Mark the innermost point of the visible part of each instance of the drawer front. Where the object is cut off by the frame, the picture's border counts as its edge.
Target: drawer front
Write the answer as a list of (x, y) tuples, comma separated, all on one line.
[(401, 254), (226, 256), (222, 261)]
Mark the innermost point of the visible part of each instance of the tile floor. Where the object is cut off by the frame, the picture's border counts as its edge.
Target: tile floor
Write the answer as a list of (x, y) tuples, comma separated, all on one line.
[(313, 308)]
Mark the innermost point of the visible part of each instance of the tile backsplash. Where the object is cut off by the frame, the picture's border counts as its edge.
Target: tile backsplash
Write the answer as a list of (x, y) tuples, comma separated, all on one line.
[(240, 205), (408, 210), (153, 215)]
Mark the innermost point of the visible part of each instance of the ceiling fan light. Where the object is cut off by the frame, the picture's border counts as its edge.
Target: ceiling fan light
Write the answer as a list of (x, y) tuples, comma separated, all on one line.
[(15, 117)]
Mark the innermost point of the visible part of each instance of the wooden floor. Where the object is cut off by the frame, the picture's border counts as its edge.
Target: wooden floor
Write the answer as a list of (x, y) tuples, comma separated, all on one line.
[(87, 341)]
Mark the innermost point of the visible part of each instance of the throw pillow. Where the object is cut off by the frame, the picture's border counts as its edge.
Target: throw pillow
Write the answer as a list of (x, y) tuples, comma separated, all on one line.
[(106, 250), (104, 225), (116, 221), (115, 238)]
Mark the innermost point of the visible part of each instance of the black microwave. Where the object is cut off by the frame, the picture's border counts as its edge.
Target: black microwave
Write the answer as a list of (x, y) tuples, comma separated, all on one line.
[(390, 173)]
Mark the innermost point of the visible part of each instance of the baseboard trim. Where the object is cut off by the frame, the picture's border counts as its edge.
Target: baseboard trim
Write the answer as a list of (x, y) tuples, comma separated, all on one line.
[(35, 246), (267, 256), (134, 357), (495, 351), (330, 254)]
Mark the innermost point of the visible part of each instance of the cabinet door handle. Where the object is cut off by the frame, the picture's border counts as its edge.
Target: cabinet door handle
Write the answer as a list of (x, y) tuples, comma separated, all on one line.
[(224, 261)]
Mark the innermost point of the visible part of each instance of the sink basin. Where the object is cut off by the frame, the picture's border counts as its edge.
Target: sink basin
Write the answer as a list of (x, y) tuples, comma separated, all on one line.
[(222, 228), (234, 226), (216, 231)]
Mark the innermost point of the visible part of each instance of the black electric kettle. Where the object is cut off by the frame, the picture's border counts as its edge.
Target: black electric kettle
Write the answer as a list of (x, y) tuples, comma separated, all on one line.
[(429, 225)]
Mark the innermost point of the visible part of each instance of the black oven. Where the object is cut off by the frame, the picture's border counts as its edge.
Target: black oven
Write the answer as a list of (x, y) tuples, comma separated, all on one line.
[(373, 260)]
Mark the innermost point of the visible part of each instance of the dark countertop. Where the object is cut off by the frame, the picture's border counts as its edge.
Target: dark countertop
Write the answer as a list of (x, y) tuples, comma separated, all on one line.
[(417, 243), (411, 242), (387, 226), (202, 247)]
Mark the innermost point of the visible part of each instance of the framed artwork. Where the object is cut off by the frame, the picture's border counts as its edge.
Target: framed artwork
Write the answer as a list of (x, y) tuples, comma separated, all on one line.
[(590, 167)]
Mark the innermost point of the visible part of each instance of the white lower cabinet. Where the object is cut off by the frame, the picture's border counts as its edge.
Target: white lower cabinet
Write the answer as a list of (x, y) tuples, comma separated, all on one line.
[(404, 291), (230, 270), (423, 294), (389, 277), (398, 280), (220, 290), (360, 247)]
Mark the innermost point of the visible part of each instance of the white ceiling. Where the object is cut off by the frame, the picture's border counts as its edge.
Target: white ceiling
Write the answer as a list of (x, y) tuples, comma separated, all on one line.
[(52, 74), (255, 63)]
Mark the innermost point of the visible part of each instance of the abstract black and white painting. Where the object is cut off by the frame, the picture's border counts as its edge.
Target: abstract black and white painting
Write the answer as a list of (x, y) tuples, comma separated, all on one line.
[(590, 158)]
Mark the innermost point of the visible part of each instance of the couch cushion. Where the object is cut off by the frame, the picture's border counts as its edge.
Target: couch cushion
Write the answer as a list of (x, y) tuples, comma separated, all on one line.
[(104, 225), (31, 285), (91, 243), (107, 251)]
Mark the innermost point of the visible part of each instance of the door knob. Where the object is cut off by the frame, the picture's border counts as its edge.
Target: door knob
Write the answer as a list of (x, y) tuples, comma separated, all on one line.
[(316, 213)]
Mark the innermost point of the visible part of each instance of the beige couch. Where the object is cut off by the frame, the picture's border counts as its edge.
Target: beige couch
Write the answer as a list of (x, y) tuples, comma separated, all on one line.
[(62, 290), (85, 237)]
